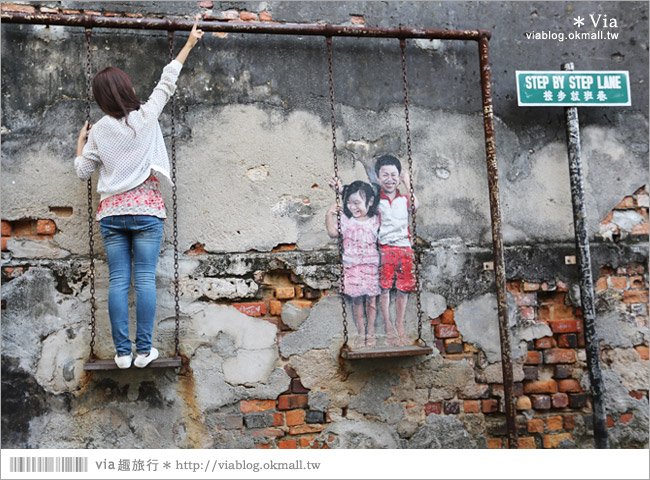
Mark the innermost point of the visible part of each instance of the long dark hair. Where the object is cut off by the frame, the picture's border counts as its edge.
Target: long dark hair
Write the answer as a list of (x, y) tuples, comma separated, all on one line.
[(113, 92), (366, 191)]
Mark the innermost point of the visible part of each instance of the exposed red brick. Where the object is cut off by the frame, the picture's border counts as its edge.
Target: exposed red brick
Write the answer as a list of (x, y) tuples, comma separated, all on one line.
[(489, 405), (535, 425), (92, 12), (618, 283), (290, 402), (642, 350), (23, 228), (641, 229), (290, 371), (560, 400), (357, 20), (471, 406), (635, 296), (295, 417), (248, 406), (3, 245), (569, 422), (527, 442), (298, 387), (494, 443), (549, 287), (625, 418), (206, 4), (286, 444), (627, 202), (530, 287), (637, 394), (541, 402), (540, 386), (70, 12), (446, 317), (265, 17), (566, 326), (514, 286), (278, 419), (635, 282), (534, 358), (446, 331), (6, 227), (251, 309), (610, 421), (524, 403), (268, 432), (559, 355), (545, 342), (553, 441), (433, 407), (306, 441), (577, 400), (554, 423), (569, 385), (275, 307), (284, 293), (528, 313), (248, 16), (49, 10), (525, 299), (562, 312), (567, 340), (133, 15), (264, 446), (312, 428), (18, 8), (196, 249), (601, 284)]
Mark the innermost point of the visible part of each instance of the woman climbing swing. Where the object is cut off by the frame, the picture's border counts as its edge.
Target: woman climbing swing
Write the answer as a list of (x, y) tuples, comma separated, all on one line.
[(127, 147)]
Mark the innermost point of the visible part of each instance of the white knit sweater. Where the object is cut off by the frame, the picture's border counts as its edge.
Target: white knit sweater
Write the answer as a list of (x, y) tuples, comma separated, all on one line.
[(126, 158)]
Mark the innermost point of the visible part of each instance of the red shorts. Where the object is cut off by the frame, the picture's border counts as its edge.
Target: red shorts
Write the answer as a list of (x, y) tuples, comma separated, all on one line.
[(396, 267)]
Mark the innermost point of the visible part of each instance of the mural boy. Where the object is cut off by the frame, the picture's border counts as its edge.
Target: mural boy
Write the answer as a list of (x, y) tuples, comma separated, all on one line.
[(396, 266)]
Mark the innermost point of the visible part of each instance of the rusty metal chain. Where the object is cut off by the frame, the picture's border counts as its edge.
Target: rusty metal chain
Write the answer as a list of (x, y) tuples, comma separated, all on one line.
[(91, 238), (416, 250), (338, 194), (170, 38)]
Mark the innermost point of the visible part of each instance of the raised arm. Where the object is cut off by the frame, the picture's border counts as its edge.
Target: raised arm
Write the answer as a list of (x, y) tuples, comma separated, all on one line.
[(195, 36), (407, 183)]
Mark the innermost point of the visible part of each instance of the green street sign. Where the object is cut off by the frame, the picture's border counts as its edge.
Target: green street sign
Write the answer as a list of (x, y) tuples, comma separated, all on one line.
[(573, 89)]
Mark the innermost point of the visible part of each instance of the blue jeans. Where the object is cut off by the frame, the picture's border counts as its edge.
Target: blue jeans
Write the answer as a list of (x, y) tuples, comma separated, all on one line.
[(132, 239)]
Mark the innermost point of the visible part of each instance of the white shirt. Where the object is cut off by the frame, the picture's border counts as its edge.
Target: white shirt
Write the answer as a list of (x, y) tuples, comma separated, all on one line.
[(126, 158), (394, 218)]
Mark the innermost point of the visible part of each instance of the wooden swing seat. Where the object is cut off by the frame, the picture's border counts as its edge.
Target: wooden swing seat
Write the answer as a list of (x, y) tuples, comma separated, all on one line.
[(386, 352), (170, 362)]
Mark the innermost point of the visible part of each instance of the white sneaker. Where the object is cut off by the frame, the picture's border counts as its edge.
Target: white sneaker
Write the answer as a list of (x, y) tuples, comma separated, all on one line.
[(142, 361), (125, 361)]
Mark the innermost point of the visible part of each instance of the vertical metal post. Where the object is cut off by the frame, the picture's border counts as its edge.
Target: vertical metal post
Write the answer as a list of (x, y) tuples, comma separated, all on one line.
[(497, 239), (586, 279)]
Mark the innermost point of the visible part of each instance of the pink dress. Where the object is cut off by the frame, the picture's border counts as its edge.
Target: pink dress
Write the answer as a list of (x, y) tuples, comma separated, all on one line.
[(360, 256)]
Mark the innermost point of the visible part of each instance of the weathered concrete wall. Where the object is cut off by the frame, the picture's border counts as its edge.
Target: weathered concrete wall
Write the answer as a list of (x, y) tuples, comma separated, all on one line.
[(261, 324)]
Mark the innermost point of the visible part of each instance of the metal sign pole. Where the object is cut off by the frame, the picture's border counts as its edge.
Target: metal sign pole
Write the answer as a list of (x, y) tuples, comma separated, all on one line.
[(586, 280)]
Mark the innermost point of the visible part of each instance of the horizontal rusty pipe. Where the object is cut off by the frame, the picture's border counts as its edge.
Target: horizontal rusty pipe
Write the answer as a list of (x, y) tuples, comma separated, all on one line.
[(97, 21)]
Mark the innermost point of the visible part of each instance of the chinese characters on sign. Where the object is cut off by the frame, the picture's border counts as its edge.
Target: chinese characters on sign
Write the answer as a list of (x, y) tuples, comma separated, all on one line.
[(573, 88)]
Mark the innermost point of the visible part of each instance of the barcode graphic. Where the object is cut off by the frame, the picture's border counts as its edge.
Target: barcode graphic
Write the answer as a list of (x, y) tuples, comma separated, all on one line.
[(48, 464)]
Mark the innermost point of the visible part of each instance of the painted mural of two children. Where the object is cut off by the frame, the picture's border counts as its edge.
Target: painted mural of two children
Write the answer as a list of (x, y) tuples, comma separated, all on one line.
[(377, 249)]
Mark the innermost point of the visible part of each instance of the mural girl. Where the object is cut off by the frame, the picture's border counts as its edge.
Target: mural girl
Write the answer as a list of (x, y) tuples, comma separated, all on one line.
[(359, 227)]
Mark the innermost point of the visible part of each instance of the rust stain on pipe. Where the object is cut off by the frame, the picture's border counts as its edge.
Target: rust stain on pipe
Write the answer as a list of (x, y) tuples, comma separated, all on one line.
[(96, 21), (497, 239)]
